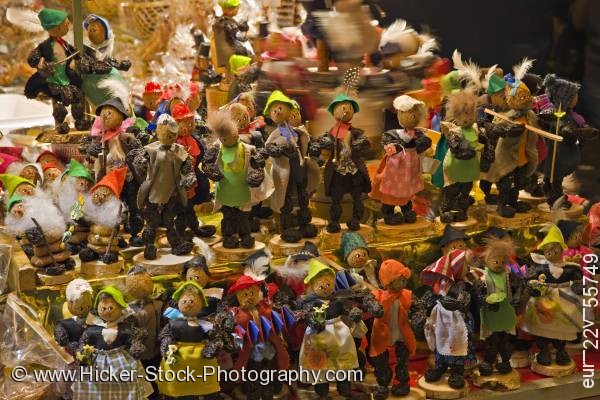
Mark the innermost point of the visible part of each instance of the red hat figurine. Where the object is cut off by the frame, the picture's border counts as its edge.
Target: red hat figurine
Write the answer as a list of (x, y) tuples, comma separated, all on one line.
[(243, 282), (12, 150), (5, 161), (181, 111), (153, 87), (114, 180)]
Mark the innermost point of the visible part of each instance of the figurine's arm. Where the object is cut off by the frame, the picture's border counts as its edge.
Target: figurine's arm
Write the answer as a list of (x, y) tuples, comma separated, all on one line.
[(256, 174), (210, 165), (323, 142), (138, 159), (89, 64), (422, 141), (360, 142), (281, 150), (91, 146), (122, 65), (372, 306), (86, 338), (61, 335), (34, 57), (188, 177), (460, 147), (165, 338)]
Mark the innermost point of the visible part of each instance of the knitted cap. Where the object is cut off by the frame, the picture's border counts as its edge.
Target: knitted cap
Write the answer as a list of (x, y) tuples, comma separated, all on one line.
[(114, 180), (561, 91), (391, 270), (352, 241)]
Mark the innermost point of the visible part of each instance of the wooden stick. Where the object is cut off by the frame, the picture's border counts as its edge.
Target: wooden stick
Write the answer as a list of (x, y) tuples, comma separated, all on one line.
[(559, 115), (530, 128)]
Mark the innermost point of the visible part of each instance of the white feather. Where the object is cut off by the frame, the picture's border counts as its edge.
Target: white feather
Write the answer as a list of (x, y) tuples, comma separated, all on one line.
[(395, 32), (205, 250), (24, 19), (293, 270), (259, 269), (428, 45), (521, 69), (468, 71), (116, 88)]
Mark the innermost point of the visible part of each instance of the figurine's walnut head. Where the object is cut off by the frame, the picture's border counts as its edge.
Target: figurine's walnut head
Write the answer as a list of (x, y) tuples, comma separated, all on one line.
[(151, 100), (101, 195), (190, 299), (240, 114), (409, 111), (108, 308), (454, 245), (323, 284), (498, 100), (249, 297), (343, 111), (60, 30), (111, 117), (79, 296), (82, 185), (167, 130), (358, 258), (461, 108), (223, 126), (193, 102), (518, 98), (25, 189), (51, 174), (295, 118), (498, 253), (553, 252), (196, 270), (279, 112), (138, 283), (96, 31), (247, 99), (30, 173), (575, 238), (18, 210)]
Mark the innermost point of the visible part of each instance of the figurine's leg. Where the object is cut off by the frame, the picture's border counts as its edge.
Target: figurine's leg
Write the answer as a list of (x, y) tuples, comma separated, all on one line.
[(358, 209), (78, 109), (344, 388), (86, 255), (389, 216), (436, 373), (286, 219), (322, 389), (486, 367), (383, 374), (335, 211), (456, 380), (486, 188), (520, 182), (179, 246), (463, 201), (244, 231), (562, 357), (504, 186), (307, 229), (135, 222), (254, 219), (543, 357), (505, 349), (448, 206), (362, 359), (402, 387), (555, 190), (228, 228), (59, 112), (153, 219), (407, 211)]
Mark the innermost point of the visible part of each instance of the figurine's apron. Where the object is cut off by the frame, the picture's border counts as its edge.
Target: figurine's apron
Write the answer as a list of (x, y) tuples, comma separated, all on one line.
[(331, 349), (233, 190), (189, 355), (398, 178), (456, 170), (504, 319), (95, 94), (556, 315)]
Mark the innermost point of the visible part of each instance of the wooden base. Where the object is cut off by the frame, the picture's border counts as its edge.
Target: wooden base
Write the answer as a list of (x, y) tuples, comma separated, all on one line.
[(333, 240), (308, 393), (463, 225), (553, 369), (525, 196), (320, 223), (496, 381), (420, 228), (237, 254), (520, 359), (282, 395), (441, 390), (52, 280), (163, 243), (520, 220), (279, 248), (546, 214), (165, 263), (97, 269), (130, 252), (369, 385)]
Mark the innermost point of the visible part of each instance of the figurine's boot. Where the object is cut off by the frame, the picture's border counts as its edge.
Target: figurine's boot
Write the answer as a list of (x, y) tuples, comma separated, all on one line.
[(307, 229), (506, 349), (543, 357), (59, 112), (289, 233), (456, 380), (335, 213), (149, 237), (435, 374), (505, 208), (402, 388), (562, 357), (86, 255), (448, 204), (389, 216), (244, 231), (109, 258), (409, 215), (533, 187), (179, 247), (322, 390), (383, 374), (492, 343), (344, 389), (486, 188), (462, 207), (358, 209), (192, 222)]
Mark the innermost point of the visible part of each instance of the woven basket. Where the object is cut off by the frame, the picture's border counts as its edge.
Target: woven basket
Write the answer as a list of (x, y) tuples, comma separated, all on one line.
[(143, 18), (215, 98), (106, 8)]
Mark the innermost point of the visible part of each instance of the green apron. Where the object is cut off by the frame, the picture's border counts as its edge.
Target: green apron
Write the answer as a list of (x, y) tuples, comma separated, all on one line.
[(464, 170), (96, 95), (59, 77), (233, 190), (505, 319)]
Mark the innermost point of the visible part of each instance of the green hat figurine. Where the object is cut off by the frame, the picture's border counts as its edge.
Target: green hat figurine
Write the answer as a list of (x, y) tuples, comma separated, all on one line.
[(237, 62), (350, 242), (51, 18), (10, 182), (14, 200), (76, 170), (186, 285), (495, 84), (277, 95), (229, 3), (340, 98), (315, 267), (113, 292)]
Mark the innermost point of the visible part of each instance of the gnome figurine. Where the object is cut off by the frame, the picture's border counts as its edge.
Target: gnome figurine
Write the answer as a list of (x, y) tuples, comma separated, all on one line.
[(103, 210), (55, 77), (345, 170), (151, 97), (14, 184)]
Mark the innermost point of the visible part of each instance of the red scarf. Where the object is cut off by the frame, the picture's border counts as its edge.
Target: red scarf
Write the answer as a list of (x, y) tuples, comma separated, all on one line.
[(60, 41), (190, 145), (340, 130)]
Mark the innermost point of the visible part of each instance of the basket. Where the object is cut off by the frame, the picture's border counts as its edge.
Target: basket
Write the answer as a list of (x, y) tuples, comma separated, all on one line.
[(215, 98), (106, 8), (143, 18)]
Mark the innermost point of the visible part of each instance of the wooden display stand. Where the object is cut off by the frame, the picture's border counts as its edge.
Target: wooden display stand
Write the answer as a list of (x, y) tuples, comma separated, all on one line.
[(441, 390), (546, 214), (553, 369), (237, 254), (405, 231), (463, 225), (520, 220), (308, 393), (520, 359), (165, 263), (496, 381), (52, 280), (282, 395), (163, 243), (129, 252), (526, 197), (279, 248), (320, 223), (97, 269), (369, 385), (333, 240)]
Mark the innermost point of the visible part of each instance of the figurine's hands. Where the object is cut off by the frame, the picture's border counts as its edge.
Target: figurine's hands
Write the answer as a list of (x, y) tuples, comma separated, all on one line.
[(188, 181), (213, 172), (94, 149), (255, 177), (136, 349), (577, 288), (290, 150), (124, 65), (211, 349), (355, 314)]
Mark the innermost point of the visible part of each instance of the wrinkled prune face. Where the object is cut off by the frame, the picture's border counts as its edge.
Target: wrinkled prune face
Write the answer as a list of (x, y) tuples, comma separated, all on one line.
[(343, 111), (198, 275), (18, 210), (101, 195), (496, 262), (151, 100), (230, 139), (60, 30), (409, 119), (109, 310), (81, 306), (240, 115), (323, 284), (30, 173), (397, 284), (51, 174), (249, 297), (111, 117), (553, 252), (25, 189), (498, 100), (186, 126), (190, 302), (247, 100), (465, 116), (279, 112), (82, 185), (96, 32), (575, 238), (139, 286), (358, 258), (520, 100), (454, 245)]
